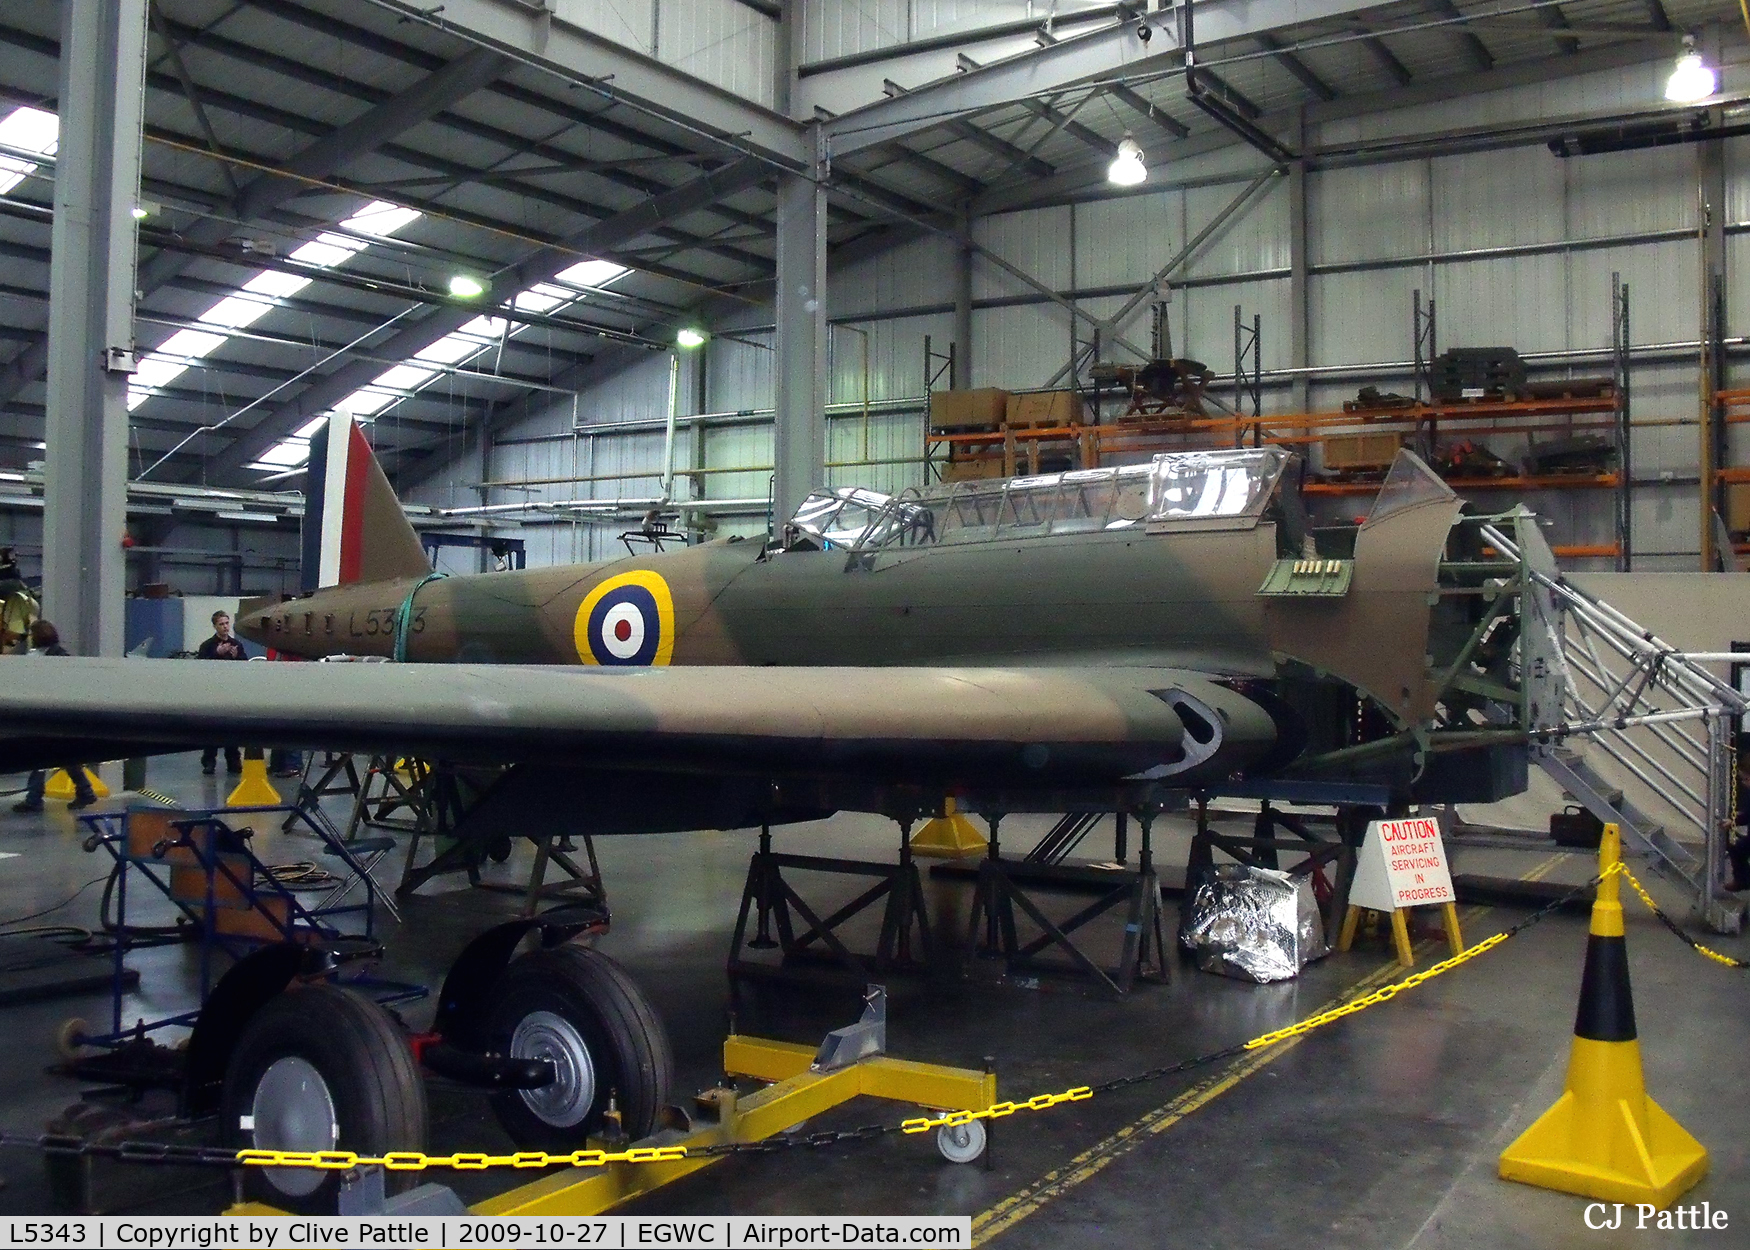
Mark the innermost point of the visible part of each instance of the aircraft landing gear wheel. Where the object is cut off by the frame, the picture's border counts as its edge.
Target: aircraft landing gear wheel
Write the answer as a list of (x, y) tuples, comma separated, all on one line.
[(70, 1039), (961, 1143), (579, 1010), (321, 1068)]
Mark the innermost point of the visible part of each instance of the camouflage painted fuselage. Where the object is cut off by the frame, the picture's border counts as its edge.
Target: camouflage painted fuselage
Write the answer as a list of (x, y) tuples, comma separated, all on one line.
[(1163, 597)]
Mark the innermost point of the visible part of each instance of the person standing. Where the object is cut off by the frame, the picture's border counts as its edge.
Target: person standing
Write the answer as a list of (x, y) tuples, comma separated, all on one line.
[(45, 640), (223, 645)]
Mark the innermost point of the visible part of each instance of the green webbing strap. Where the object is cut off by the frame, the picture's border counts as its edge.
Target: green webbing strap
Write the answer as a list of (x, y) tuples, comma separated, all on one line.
[(404, 616)]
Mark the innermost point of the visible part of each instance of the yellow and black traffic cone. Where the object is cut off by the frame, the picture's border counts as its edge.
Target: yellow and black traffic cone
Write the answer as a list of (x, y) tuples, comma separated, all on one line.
[(1604, 1138)]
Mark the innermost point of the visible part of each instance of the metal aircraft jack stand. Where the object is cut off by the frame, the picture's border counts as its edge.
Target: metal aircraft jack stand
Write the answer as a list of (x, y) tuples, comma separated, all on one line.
[(438, 799), (335, 774), (772, 901), (992, 932), (1605, 1138), (253, 788), (805, 1081), (60, 786)]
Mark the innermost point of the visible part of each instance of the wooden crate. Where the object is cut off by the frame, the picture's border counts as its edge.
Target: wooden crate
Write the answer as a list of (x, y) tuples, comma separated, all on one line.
[(1345, 453), (1048, 409), (981, 409)]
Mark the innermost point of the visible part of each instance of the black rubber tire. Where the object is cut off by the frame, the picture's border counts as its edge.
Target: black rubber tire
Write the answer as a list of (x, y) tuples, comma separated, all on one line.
[(361, 1054), (628, 1045)]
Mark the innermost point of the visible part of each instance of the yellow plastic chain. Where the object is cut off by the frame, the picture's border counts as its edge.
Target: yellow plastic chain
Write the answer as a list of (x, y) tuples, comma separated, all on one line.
[(414, 1161), (1646, 898), (1383, 994), (995, 1111), (417, 1161)]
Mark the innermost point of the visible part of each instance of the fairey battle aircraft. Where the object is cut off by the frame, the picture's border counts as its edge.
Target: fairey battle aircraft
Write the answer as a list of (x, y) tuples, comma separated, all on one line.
[(1090, 640), (1172, 623)]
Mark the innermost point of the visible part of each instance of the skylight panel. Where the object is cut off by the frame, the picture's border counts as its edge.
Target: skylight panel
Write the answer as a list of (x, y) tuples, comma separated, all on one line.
[(192, 344), (157, 371), (449, 349), (488, 328), (276, 285), (541, 299), (405, 377), (309, 428), (33, 130), (480, 334), (235, 312), (254, 298), (588, 273), (288, 453), (380, 218), (328, 249), (364, 401)]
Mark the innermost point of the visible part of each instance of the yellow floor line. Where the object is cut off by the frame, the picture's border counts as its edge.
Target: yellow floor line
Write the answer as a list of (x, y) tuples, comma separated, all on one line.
[(1085, 1166), (998, 1219)]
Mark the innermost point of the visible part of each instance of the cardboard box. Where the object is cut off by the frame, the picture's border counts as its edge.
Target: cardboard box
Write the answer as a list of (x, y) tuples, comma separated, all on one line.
[(1361, 451), (961, 410), (1052, 409), (1738, 507), (973, 470)]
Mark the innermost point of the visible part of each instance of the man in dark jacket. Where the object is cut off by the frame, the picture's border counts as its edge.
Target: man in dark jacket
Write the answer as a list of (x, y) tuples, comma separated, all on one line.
[(223, 645), (45, 640)]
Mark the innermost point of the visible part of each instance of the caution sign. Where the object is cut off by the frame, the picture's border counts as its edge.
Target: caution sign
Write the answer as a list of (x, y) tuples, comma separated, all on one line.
[(627, 619), (1402, 864)]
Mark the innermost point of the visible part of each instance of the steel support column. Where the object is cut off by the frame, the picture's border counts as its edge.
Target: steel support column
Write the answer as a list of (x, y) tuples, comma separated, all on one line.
[(1299, 326), (799, 433), (1710, 172), (962, 302), (91, 310)]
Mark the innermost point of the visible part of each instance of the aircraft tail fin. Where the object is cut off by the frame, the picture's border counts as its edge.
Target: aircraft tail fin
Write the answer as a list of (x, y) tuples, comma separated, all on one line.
[(354, 528)]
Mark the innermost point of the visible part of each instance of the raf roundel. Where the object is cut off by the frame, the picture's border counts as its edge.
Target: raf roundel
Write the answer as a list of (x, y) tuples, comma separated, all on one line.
[(627, 620)]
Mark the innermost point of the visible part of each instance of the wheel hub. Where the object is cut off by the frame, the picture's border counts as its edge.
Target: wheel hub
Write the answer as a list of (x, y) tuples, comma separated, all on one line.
[(565, 1100), (293, 1110)]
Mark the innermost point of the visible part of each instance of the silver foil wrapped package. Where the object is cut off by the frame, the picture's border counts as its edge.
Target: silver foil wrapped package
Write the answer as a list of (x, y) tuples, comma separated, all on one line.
[(1254, 924)]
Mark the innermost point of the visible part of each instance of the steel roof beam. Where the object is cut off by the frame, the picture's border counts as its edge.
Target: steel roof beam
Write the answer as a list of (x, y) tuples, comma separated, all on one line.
[(724, 122), (1302, 72), (1058, 119), (326, 25), (278, 117), (1388, 61), (518, 144), (335, 150), (1550, 13), (1481, 59), (979, 137), (1111, 51), (1173, 127), (602, 236)]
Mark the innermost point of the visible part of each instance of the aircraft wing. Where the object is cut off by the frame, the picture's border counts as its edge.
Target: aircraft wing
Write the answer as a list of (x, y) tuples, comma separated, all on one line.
[(912, 723)]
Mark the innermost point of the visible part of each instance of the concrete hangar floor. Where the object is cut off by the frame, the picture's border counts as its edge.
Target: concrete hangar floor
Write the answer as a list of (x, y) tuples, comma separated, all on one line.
[(1379, 1131)]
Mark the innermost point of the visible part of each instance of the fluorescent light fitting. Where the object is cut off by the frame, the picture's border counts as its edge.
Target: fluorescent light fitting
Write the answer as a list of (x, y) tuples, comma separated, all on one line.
[(689, 337), (462, 286), (140, 213), (1691, 80), (1127, 169)]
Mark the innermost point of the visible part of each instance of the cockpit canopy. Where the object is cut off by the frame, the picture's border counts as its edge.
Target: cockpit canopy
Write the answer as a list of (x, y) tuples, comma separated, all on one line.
[(1193, 489)]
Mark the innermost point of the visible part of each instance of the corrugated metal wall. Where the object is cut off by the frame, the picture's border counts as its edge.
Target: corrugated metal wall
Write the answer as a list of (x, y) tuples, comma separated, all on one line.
[(1376, 234), (720, 41)]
